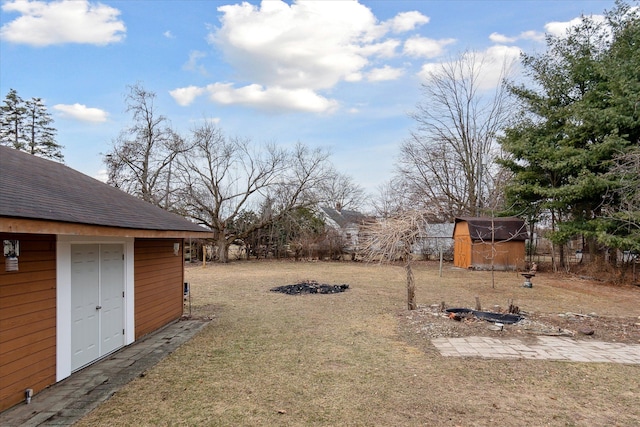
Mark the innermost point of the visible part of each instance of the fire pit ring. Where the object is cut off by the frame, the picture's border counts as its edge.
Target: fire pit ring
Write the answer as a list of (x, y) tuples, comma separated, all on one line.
[(310, 287)]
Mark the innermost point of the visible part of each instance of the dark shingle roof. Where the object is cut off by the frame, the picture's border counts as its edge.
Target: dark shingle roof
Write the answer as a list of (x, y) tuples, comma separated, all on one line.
[(344, 217), (36, 188), (509, 228)]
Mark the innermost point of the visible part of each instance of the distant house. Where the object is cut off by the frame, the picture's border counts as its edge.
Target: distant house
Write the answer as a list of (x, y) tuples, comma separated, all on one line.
[(434, 239), (485, 243), (87, 270), (347, 223)]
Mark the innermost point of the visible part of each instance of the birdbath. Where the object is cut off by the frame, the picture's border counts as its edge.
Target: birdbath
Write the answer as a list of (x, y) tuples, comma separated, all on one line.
[(527, 280)]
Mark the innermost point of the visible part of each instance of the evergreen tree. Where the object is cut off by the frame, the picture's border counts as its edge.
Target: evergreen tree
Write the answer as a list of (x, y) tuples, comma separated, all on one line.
[(12, 117), (26, 126), (40, 135), (579, 117)]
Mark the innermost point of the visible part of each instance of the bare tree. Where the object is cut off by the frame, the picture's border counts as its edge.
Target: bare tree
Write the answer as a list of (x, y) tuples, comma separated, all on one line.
[(390, 200), (621, 212), (343, 191), (222, 177), (391, 239), (447, 162), (141, 158)]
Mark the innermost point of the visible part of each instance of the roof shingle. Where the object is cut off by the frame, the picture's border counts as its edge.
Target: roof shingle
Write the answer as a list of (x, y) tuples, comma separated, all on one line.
[(504, 228), (36, 188)]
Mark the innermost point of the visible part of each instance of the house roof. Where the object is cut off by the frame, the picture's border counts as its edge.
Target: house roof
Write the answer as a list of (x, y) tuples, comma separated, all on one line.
[(38, 189), (343, 217), (507, 228)]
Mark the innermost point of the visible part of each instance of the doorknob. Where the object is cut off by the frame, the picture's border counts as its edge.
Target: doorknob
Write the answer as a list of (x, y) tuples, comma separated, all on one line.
[(98, 307)]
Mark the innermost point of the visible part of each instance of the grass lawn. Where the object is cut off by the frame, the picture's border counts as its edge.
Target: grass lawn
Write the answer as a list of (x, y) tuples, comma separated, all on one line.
[(349, 359)]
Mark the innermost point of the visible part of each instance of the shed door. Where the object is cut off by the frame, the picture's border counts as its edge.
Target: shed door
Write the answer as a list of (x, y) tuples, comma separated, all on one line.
[(97, 286)]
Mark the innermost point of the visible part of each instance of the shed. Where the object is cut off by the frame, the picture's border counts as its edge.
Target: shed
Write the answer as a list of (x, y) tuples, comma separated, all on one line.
[(87, 269), (485, 243)]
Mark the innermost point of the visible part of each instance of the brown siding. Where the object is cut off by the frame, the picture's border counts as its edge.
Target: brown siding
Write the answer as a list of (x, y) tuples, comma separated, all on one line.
[(506, 255), (28, 319), (159, 278), (462, 245)]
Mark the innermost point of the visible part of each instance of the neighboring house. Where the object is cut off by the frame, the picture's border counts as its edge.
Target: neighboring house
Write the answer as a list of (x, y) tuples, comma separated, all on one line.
[(87, 270), (486, 243), (347, 222), (434, 239)]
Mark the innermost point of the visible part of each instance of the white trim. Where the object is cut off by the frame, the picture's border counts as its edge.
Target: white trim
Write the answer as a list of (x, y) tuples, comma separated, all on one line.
[(63, 295)]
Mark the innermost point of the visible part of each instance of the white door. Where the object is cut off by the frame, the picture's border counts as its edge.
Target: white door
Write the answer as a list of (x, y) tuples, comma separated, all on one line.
[(97, 299)]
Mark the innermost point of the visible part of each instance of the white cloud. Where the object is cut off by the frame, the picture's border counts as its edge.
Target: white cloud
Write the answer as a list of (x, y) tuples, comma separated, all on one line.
[(532, 35), (272, 98), (306, 45), (102, 175), (407, 21), (297, 50), (63, 21), (525, 35), (501, 38), (193, 64), (168, 34), (424, 47), (490, 66), (186, 95), (82, 113), (559, 29), (384, 73)]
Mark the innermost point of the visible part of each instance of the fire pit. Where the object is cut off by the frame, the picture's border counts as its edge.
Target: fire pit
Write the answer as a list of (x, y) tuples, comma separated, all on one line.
[(460, 313), (310, 287)]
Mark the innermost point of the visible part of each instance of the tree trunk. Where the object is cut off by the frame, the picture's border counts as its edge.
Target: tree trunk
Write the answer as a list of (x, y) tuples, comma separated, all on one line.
[(222, 248), (411, 287)]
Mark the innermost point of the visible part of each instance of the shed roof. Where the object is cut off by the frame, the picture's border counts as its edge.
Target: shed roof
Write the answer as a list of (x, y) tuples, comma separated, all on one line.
[(506, 228), (39, 189)]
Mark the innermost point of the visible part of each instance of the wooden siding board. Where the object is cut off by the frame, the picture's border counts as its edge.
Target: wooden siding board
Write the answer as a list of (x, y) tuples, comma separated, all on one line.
[(38, 303), (28, 319), (159, 275), (37, 333), (9, 289)]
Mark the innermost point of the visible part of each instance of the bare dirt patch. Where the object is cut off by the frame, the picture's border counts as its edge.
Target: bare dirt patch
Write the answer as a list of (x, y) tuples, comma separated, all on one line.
[(431, 322)]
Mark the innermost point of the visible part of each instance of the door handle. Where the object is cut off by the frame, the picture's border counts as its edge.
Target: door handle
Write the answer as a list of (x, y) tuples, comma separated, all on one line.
[(98, 307)]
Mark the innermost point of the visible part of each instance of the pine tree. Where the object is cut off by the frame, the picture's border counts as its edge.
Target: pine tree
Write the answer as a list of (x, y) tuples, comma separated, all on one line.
[(580, 117), (26, 126), (12, 117), (40, 135)]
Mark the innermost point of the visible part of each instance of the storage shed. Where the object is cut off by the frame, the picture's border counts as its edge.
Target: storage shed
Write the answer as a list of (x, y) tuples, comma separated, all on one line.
[(86, 269), (483, 243)]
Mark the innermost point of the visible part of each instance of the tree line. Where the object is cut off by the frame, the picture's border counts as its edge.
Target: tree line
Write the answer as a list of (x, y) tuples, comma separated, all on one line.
[(560, 149), (237, 189)]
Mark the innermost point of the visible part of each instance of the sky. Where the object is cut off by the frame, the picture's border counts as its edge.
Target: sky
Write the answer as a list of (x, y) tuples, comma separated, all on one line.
[(337, 74)]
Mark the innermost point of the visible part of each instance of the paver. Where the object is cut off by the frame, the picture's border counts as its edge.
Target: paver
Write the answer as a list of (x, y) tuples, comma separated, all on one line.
[(547, 348)]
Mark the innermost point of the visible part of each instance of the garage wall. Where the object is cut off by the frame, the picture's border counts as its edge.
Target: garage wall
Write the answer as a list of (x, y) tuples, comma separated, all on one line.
[(28, 319), (159, 278)]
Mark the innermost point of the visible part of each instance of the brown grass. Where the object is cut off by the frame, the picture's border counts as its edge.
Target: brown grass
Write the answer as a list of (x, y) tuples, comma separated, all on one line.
[(348, 359)]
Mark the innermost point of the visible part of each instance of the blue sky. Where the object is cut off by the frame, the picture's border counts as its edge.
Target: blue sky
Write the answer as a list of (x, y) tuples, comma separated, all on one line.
[(342, 75)]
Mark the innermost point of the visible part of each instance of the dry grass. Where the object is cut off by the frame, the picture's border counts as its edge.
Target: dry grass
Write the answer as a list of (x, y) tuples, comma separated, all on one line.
[(347, 359)]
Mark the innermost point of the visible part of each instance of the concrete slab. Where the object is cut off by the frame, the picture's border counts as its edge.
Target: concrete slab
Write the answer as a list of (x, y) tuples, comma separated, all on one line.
[(69, 400), (546, 348)]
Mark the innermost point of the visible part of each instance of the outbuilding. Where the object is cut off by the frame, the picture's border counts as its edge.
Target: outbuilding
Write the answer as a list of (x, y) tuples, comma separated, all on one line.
[(87, 270), (485, 243)]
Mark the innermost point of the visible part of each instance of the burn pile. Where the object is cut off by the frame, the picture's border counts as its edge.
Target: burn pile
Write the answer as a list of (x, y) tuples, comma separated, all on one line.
[(310, 287)]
